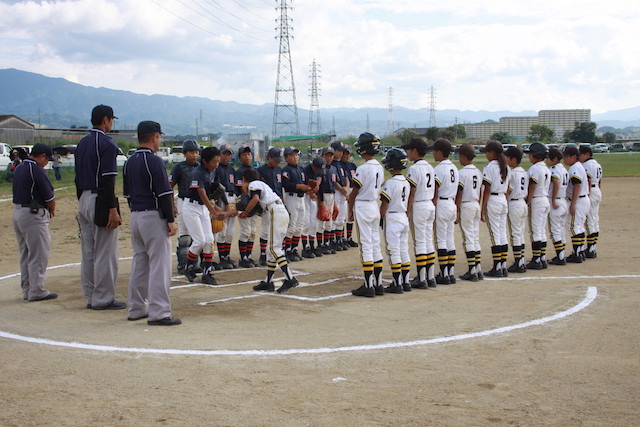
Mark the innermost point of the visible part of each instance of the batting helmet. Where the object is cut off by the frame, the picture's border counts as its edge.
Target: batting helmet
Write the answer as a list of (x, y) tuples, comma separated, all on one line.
[(241, 204), (367, 144), (538, 150), (190, 145), (396, 159)]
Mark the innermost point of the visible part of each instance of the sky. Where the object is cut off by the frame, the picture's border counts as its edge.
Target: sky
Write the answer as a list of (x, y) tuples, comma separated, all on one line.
[(490, 55)]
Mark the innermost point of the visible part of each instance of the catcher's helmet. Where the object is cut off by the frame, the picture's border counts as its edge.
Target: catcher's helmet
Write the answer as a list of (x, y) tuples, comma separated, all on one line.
[(367, 144), (538, 150), (190, 145), (241, 204), (396, 159)]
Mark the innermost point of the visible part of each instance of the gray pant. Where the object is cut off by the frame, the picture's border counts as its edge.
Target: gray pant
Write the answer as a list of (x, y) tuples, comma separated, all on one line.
[(99, 269), (34, 242), (151, 267)]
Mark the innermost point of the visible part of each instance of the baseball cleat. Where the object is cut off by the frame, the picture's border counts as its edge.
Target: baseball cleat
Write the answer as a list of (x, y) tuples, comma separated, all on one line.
[(494, 273), (208, 279), (378, 289), (535, 265), (318, 252), (419, 285), (516, 268), (288, 284), (167, 321), (264, 286), (296, 255), (263, 260), (472, 277), (351, 243), (452, 280), (363, 291), (431, 283), (591, 254), (558, 261), (406, 287), (574, 258), (190, 273), (394, 289), (442, 280), (505, 273)]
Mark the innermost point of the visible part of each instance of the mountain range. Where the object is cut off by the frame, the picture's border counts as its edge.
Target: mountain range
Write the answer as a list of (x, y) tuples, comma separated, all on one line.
[(59, 103)]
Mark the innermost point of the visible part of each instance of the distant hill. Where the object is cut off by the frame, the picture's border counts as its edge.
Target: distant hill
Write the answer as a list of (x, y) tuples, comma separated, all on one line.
[(56, 102)]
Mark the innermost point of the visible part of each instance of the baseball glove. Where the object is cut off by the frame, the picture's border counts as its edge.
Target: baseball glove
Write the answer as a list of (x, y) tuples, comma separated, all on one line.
[(215, 191), (241, 204), (323, 213), (217, 225), (336, 211)]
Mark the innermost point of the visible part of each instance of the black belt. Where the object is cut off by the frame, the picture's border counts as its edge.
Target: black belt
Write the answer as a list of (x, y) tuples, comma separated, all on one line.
[(444, 198), (495, 194), (535, 197), (584, 195), (514, 200), (190, 200), (396, 212), (29, 205), (594, 185), (299, 194), (144, 210)]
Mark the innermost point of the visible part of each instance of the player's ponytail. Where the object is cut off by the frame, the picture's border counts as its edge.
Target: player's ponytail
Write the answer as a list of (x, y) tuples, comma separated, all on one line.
[(496, 147)]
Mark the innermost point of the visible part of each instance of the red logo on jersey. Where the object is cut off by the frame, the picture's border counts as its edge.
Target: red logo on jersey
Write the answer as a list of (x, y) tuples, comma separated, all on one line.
[(279, 177)]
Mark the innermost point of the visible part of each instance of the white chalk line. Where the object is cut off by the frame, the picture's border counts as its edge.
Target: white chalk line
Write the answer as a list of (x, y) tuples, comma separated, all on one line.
[(619, 276), (591, 294), (55, 189)]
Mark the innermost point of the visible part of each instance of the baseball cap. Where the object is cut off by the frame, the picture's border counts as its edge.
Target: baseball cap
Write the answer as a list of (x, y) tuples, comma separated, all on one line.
[(290, 150), (275, 153), (338, 146), (41, 148), (417, 144), (100, 111), (148, 127), (345, 147), (244, 149), (226, 148), (326, 150), (320, 164)]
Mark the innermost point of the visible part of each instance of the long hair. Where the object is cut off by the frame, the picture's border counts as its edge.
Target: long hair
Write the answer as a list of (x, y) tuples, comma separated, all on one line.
[(496, 147)]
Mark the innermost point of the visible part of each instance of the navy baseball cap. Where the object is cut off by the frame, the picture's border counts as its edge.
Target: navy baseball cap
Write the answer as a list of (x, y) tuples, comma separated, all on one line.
[(226, 148), (338, 146), (320, 164), (346, 148), (275, 153), (326, 150), (148, 127), (290, 150), (100, 111), (41, 148), (244, 149)]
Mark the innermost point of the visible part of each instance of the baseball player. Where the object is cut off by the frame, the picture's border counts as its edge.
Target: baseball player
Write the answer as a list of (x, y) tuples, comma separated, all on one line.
[(579, 203), (198, 211), (294, 189), (393, 213), (518, 211), (225, 176), (350, 172), (341, 195), (495, 178), (558, 204), (96, 172), (467, 202), (594, 175), (314, 173), (278, 222), (248, 225), (538, 201), (363, 206), (271, 174), (150, 198), (35, 205), (446, 178), (180, 175), (326, 196), (422, 212)]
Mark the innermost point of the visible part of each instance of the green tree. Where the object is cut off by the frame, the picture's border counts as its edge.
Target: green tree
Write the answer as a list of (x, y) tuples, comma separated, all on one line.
[(448, 133), (609, 138), (433, 133), (540, 133), (407, 135), (583, 132), (458, 132), (503, 137)]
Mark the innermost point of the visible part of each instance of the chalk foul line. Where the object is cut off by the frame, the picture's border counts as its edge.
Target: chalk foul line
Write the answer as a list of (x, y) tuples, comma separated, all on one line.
[(591, 294)]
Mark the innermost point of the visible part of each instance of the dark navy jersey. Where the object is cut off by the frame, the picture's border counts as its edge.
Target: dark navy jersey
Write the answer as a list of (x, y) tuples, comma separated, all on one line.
[(350, 171), (30, 182), (145, 180), (181, 175), (225, 174), (328, 184), (272, 177), (238, 178), (200, 178), (342, 177), (292, 176), (95, 159)]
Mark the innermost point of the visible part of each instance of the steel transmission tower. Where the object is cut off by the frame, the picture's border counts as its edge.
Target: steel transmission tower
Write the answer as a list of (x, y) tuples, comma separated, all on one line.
[(315, 126), (285, 111), (390, 124), (432, 107)]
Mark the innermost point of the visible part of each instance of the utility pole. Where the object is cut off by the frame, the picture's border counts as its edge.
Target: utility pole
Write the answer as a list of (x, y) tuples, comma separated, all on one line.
[(285, 111), (390, 124), (368, 123), (432, 107), (315, 125)]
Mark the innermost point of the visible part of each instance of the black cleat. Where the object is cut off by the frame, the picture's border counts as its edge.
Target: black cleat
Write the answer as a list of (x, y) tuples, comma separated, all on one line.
[(517, 268), (419, 285), (472, 277), (505, 273), (452, 280), (190, 273), (574, 258), (431, 283), (288, 284), (295, 255), (535, 265), (352, 243), (263, 260), (216, 266), (394, 289), (246, 263), (379, 289), (318, 252), (591, 254), (167, 321), (494, 273), (208, 279), (558, 261), (480, 275), (363, 291), (264, 286), (442, 280), (406, 287), (308, 253)]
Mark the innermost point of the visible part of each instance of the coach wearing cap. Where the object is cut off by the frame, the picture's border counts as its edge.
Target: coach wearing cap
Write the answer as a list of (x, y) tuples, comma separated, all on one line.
[(96, 172), (35, 205)]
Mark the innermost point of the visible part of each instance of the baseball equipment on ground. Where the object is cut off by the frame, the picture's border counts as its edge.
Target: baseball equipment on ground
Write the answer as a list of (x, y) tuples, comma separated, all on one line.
[(190, 145), (323, 213), (241, 204), (368, 144), (396, 159)]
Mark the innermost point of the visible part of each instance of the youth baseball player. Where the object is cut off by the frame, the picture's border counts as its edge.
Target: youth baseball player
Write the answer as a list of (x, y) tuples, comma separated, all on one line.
[(579, 203), (467, 202), (248, 225), (150, 198), (35, 205), (363, 206), (341, 195), (495, 178), (557, 204), (518, 210), (278, 222), (326, 194), (314, 173), (271, 174), (225, 176), (538, 201), (350, 169), (446, 178), (294, 189), (422, 212), (594, 175), (394, 199)]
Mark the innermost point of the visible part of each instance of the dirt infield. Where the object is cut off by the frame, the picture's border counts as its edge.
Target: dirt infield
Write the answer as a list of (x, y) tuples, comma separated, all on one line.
[(557, 347)]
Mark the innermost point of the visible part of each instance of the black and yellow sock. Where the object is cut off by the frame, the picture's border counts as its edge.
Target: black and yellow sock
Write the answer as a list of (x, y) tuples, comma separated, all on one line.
[(367, 268)]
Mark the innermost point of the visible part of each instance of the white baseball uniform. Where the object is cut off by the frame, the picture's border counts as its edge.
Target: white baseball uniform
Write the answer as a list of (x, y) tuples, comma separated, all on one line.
[(396, 223), (470, 182), (446, 175), (517, 205), (497, 203), (558, 214), (594, 173)]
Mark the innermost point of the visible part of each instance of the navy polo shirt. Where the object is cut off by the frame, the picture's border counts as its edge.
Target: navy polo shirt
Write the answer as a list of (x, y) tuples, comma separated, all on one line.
[(238, 178), (200, 178), (350, 171), (30, 182), (272, 177), (145, 180), (292, 176), (225, 175), (95, 158), (328, 185), (181, 174), (341, 172)]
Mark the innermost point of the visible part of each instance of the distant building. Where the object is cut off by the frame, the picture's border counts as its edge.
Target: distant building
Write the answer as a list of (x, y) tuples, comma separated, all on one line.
[(15, 131), (254, 140), (563, 120), (482, 131), (517, 127)]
